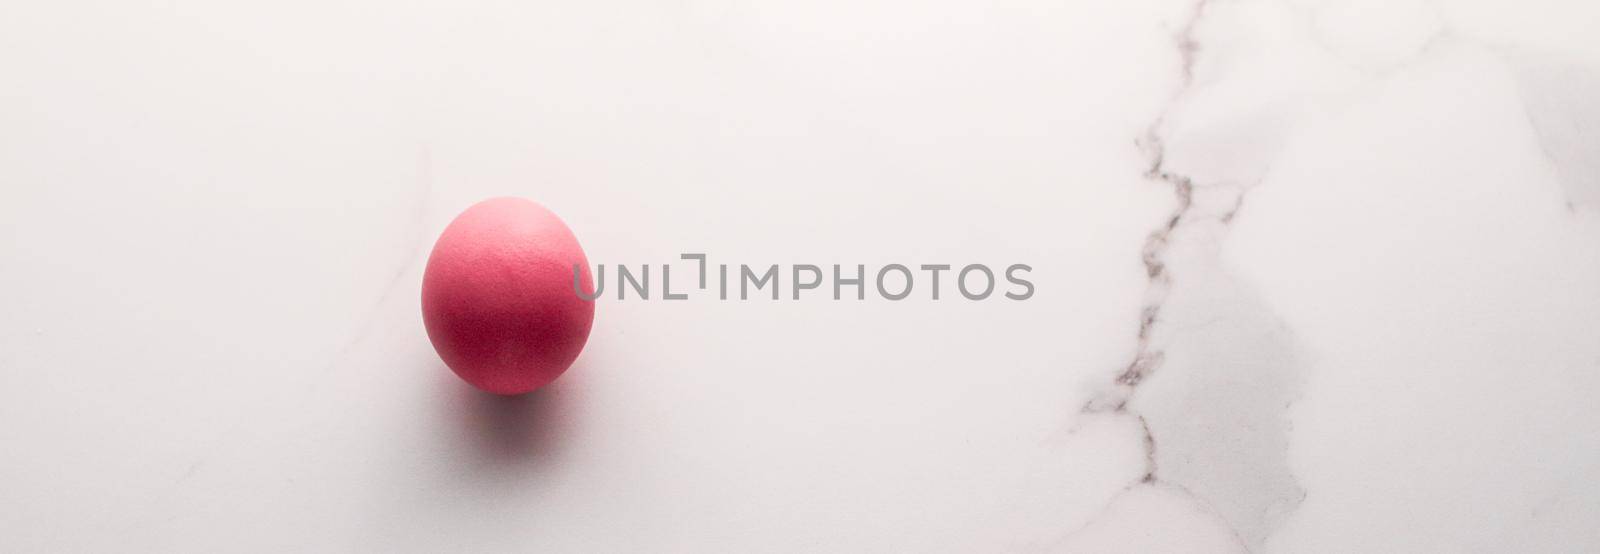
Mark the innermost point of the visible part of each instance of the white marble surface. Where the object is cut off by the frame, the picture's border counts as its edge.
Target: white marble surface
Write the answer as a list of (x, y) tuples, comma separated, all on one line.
[(1312, 276)]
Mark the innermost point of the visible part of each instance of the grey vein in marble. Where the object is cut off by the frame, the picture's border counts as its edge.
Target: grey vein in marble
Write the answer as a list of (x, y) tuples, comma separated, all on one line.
[(1214, 419)]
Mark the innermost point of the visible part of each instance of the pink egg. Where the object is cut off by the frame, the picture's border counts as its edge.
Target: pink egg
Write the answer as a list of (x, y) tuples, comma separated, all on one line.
[(498, 298)]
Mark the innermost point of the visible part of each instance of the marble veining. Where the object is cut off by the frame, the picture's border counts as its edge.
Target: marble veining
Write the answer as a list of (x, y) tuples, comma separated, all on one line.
[(1222, 433), (1217, 423)]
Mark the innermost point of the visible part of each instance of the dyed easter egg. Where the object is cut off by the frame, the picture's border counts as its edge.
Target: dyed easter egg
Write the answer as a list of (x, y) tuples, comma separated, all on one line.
[(498, 296)]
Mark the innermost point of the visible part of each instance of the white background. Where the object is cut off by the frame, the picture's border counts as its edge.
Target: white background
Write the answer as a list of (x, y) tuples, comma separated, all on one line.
[(1377, 316)]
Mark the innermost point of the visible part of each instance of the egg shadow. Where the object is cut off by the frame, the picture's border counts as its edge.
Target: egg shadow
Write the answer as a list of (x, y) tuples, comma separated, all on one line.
[(472, 454), (515, 432)]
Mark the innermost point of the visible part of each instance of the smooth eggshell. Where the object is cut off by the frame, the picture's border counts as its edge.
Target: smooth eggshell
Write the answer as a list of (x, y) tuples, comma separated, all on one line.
[(498, 298)]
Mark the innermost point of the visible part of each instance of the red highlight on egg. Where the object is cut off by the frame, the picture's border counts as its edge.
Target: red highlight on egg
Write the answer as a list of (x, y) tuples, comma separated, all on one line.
[(497, 296)]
